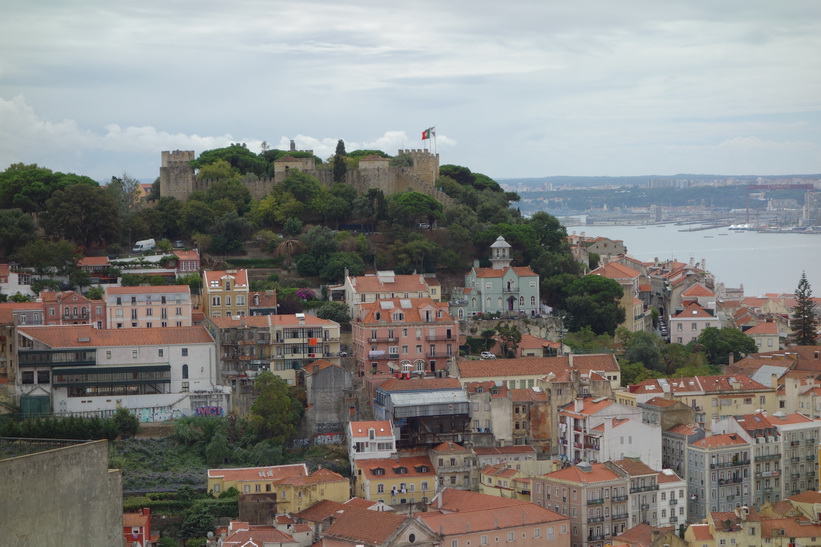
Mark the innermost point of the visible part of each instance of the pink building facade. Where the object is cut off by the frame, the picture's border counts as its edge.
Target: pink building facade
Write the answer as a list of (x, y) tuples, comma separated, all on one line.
[(404, 335)]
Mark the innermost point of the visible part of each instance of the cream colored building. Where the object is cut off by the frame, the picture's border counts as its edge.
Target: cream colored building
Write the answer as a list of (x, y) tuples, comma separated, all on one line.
[(225, 293), (147, 307)]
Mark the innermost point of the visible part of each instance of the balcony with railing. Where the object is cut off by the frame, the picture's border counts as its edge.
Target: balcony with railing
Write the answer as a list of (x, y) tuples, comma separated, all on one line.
[(673, 501), (810, 457), (645, 506), (617, 499), (809, 441), (595, 501), (646, 488), (768, 457), (620, 516), (595, 519)]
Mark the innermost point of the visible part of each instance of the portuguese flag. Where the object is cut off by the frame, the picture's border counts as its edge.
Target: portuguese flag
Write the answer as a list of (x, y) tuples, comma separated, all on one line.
[(428, 133)]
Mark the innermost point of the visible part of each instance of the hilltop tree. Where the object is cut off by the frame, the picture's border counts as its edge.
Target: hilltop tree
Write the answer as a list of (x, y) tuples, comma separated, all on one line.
[(16, 229), (84, 214), (804, 321), (275, 411), (340, 167), (717, 344)]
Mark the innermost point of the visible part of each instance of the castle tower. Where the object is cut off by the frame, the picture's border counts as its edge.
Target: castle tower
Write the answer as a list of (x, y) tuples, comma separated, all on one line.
[(176, 174), (500, 254), (425, 165)]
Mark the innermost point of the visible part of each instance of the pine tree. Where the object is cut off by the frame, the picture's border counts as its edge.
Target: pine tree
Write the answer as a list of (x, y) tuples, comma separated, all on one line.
[(340, 167), (804, 321)]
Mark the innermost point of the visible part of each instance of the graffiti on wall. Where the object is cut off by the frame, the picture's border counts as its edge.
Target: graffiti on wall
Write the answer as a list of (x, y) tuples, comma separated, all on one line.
[(328, 438), (209, 411)]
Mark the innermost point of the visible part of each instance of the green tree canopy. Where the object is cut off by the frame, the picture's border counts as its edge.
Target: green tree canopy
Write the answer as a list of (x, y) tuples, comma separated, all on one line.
[(29, 187), (237, 156), (275, 411), (717, 344), (593, 301), (804, 320), (410, 208), (340, 167), (16, 229), (84, 214), (48, 256)]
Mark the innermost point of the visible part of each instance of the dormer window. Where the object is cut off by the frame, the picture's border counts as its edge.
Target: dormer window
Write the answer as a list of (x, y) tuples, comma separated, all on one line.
[(401, 470), (227, 285), (371, 434), (378, 471)]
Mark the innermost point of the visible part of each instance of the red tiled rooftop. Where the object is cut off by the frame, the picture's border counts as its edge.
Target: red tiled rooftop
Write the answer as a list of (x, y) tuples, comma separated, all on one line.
[(535, 366), (77, 336)]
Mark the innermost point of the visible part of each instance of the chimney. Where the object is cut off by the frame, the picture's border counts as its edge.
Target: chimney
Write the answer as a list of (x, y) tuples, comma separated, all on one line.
[(731, 359), (570, 359), (578, 404), (774, 381), (704, 264)]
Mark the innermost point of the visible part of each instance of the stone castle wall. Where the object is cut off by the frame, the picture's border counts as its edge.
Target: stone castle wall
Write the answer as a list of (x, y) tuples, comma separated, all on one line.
[(177, 178)]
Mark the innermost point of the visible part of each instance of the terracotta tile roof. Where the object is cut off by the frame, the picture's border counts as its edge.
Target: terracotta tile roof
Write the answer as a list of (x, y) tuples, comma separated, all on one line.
[(698, 290), (93, 261), (215, 276), (287, 320), (590, 407), (763, 328), (693, 311), (782, 508), (450, 448), (263, 300), (420, 384), (320, 476), (275, 472), (359, 430), (135, 519), (360, 502), (21, 305), (810, 496), (259, 534), (413, 311), (794, 418), (718, 441), (635, 467), (499, 470), (598, 473), (684, 429), (641, 535), (413, 467), (614, 270), (149, 289), (187, 255), (365, 527), (534, 342), (701, 532), (378, 284), (450, 500), (753, 422), (792, 528), (698, 384), (616, 422), (529, 366), (510, 516), (319, 511), (473, 387), (528, 395), (79, 336), (6, 316), (667, 475), (319, 366)]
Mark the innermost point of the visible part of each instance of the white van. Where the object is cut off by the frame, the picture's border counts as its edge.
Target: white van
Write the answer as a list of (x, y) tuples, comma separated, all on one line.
[(144, 245)]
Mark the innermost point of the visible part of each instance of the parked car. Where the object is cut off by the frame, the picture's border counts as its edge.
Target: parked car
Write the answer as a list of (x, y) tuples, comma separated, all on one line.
[(487, 355)]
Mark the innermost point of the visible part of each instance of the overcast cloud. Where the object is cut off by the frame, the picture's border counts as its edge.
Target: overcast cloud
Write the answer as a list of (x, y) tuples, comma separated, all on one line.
[(515, 89)]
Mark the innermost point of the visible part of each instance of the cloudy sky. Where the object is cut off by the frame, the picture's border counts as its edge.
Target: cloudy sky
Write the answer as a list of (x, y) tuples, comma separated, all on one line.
[(515, 89)]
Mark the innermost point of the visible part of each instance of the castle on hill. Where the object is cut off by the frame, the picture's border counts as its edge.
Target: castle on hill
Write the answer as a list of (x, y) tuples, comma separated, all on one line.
[(178, 179)]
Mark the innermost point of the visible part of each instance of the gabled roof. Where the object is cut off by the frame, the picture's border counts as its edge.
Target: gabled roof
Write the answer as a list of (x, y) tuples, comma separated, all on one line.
[(187, 255), (211, 277), (412, 310), (528, 395), (411, 466), (272, 473), (319, 511), (810, 496), (451, 500), (284, 320), (420, 384), (359, 430), (719, 441), (410, 283), (598, 473), (486, 518), (697, 290), (364, 526), (590, 407), (614, 270), (635, 467), (693, 311), (520, 271), (667, 475), (684, 429), (701, 532), (641, 535), (450, 448), (257, 535), (529, 366), (699, 384), (86, 336), (763, 328)]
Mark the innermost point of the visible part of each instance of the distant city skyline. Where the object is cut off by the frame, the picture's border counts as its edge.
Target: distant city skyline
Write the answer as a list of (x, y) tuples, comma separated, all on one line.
[(523, 90)]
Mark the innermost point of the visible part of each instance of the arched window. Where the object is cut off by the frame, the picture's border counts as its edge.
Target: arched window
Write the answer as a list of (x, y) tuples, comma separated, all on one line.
[(532, 300), (461, 313), (473, 302), (185, 372), (521, 300)]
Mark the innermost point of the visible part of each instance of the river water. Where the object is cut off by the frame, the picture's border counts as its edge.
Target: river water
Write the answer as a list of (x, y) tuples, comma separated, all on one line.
[(762, 263)]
